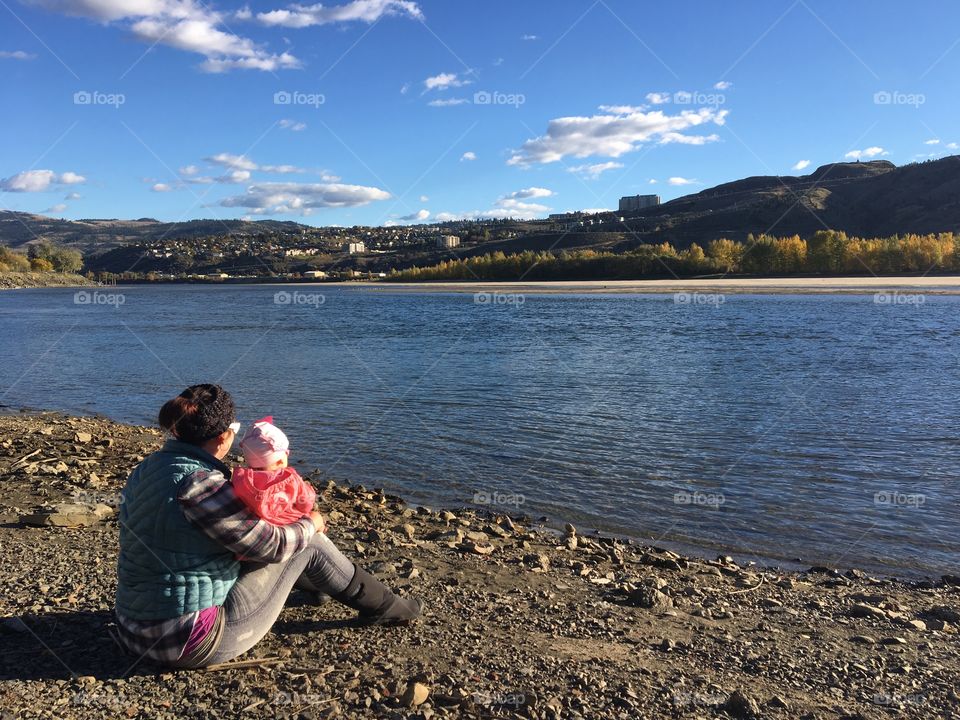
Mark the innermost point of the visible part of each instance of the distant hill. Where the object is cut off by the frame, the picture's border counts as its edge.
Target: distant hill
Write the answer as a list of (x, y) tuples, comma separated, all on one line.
[(17, 228), (867, 199)]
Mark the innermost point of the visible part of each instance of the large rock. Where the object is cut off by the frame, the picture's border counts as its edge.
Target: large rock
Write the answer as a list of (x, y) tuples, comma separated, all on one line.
[(69, 515)]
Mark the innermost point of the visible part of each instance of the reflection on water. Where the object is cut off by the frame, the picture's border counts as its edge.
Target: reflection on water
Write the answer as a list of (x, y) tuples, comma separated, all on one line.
[(821, 427)]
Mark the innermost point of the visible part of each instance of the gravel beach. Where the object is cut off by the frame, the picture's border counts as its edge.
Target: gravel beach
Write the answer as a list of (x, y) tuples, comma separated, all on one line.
[(520, 621)]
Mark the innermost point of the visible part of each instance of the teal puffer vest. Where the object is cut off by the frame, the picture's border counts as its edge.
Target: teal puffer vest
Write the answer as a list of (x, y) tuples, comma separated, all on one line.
[(167, 567)]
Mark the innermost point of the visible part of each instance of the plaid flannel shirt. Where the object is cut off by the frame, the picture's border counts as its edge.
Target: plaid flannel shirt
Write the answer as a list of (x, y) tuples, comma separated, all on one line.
[(210, 504)]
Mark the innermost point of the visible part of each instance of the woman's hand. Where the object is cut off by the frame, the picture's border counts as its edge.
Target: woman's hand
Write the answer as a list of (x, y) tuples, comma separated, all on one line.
[(318, 521)]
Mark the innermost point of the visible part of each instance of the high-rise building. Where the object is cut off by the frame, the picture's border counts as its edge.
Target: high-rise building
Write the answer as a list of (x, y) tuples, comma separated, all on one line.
[(632, 203)]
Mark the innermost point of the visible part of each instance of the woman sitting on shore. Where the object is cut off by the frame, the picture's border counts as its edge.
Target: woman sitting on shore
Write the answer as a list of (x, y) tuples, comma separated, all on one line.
[(183, 599)]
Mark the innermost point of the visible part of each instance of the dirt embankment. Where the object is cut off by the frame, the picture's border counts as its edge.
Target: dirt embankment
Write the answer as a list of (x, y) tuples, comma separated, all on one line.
[(18, 280), (520, 622)]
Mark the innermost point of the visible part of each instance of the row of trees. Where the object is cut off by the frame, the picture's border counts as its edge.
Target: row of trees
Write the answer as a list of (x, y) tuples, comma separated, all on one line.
[(43, 257), (826, 252)]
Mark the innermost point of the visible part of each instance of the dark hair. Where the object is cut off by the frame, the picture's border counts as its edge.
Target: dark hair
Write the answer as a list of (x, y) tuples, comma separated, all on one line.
[(198, 414)]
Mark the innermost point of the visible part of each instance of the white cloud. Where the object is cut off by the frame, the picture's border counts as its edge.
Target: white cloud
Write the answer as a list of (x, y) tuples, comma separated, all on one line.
[(234, 162), (424, 198), (614, 133), (405, 88), (58, 208), (468, 155), (292, 125), (302, 198), (592, 172), (283, 169), (511, 205), (870, 152), (530, 192), (952, 146), (448, 102), (368, 11), (161, 188), (234, 177), (801, 165), (418, 216), (659, 98), (187, 25), (444, 81), (682, 181), (722, 85), (652, 181), (933, 141), (38, 180), (72, 196), (529, 37), (16, 55), (188, 170)]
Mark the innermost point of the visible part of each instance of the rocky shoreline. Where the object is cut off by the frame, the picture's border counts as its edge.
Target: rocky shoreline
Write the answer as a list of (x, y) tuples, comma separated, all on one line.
[(521, 621), (21, 280)]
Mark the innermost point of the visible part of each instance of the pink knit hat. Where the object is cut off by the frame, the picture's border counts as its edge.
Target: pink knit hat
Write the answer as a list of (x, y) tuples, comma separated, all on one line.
[(264, 443)]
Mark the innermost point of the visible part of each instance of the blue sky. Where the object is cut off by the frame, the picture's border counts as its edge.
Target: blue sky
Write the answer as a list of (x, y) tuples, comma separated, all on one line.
[(391, 111)]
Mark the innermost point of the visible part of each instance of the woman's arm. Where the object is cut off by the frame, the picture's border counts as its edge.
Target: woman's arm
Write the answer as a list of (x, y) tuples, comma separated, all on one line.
[(210, 504)]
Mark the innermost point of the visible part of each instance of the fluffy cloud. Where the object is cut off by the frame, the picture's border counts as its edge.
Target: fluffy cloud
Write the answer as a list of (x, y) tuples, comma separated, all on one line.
[(188, 25), (868, 153), (302, 198), (39, 180), (530, 192), (72, 196), (801, 165), (952, 146), (468, 155), (368, 11), (682, 181), (161, 188), (619, 130), (292, 125), (234, 177), (234, 162), (418, 216), (722, 85), (444, 81), (511, 205), (529, 37), (658, 98), (16, 55), (592, 172), (58, 208), (932, 141)]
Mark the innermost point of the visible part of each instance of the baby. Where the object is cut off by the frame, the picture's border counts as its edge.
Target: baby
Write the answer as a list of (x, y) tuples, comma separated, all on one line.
[(271, 489)]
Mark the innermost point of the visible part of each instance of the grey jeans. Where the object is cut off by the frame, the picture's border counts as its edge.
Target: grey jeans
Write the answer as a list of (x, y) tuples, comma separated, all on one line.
[(258, 596)]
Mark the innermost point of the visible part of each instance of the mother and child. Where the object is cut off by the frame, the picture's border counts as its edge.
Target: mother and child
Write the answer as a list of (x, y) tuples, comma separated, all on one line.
[(208, 556)]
